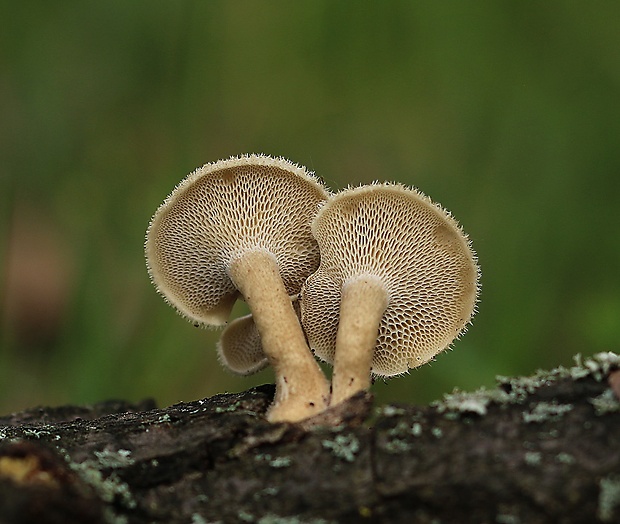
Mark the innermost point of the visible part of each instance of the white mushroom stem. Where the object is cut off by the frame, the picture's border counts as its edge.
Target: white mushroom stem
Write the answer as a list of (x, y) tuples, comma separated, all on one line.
[(301, 388), (363, 302)]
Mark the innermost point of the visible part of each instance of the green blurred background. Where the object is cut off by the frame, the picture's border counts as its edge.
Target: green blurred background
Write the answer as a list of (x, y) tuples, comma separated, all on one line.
[(505, 112)]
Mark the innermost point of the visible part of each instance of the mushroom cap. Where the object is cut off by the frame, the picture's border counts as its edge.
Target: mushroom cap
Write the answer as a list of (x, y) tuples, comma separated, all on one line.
[(418, 251), (222, 210), (239, 348)]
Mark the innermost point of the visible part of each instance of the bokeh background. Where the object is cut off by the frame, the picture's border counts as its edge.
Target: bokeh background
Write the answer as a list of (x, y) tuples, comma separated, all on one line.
[(508, 113)]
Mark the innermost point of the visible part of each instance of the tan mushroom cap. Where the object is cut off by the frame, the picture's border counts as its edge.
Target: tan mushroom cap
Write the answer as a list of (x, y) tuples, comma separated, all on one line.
[(225, 208), (241, 227), (239, 349), (412, 253)]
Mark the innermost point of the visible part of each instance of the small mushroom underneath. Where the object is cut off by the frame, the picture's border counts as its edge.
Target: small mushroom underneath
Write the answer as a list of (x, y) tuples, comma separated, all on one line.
[(241, 228), (240, 349), (397, 283)]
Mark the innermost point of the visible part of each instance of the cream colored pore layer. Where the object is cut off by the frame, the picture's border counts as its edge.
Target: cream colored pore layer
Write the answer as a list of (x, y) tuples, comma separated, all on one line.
[(216, 215), (419, 252)]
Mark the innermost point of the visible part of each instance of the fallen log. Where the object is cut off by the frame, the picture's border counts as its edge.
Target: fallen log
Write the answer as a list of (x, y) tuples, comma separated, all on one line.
[(537, 449)]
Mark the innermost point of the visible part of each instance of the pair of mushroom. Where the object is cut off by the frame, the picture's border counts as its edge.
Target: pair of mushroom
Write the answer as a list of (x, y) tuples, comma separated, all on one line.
[(386, 278)]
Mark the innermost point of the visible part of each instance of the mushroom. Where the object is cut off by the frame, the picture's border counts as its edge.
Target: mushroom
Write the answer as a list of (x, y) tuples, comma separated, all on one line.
[(397, 283), (241, 228), (240, 349)]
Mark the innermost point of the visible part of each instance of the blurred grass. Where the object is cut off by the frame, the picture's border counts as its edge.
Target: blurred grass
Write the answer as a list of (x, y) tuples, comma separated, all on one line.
[(506, 113)]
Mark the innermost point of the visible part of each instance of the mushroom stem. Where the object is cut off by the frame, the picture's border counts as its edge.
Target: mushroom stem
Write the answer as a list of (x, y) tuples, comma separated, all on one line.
[(363, 301), (301, 388)]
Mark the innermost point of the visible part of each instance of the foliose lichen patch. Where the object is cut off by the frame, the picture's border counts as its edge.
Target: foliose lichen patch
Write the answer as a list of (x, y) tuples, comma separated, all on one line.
[(546, 412), (533, 458), (606, 402), (344, 447), (609, 498), (114, 459), (274, 462), (516, 390), (460, 402)]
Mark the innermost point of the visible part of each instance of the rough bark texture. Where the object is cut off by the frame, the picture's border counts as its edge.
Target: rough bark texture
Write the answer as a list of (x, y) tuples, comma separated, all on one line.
[(538, 449)]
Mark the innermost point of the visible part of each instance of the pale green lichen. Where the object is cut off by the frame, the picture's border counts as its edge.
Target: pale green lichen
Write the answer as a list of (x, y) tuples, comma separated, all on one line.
[(397, 445), (198, 519), (344, 447), (513, 390), (608, 498), (546, 412), (521, 387), (36, 433), (108, 488), (437, 432), (111, 517), (598, 366), (245, 516), (403, 429), (533, 458), (114, 459), (280, 462), (601, 364), (551, 434), (228, 409), (565, 458), (460, 402), (606, 402), (391, 411), (266, 492), (274, 462)]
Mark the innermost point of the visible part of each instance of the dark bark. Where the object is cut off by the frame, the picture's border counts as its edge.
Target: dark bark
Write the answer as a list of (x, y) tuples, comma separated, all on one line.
[(537, 449)]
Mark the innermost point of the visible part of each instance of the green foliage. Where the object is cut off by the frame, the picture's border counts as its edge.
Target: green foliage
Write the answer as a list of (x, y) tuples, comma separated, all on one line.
[(505, 113)]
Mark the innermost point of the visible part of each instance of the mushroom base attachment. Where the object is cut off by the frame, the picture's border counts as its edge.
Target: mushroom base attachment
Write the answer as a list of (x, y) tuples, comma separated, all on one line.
[(363, 302), (301, 388)]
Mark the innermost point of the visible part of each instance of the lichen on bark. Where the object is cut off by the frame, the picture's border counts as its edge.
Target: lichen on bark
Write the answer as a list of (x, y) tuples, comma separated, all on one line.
[(544, 448)]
